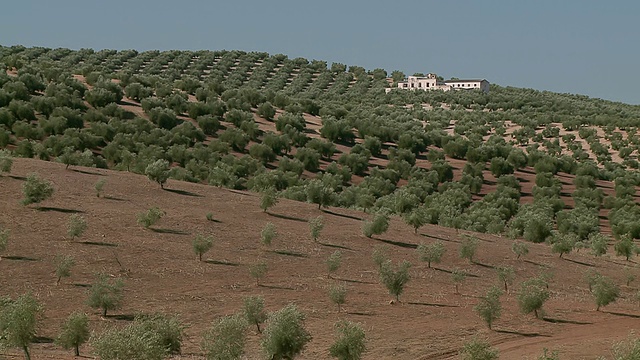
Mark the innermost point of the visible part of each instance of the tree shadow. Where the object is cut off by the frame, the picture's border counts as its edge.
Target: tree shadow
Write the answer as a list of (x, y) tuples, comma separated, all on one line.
[(122, 317), (439, 238), (98, 243), (487, 266), (81, 285), (622, 314), (114, 198), (57, 209), (42, 340), (183, 192), (86, 172), (341, 215), (16, 177), (520, 333), (432, 304), (535, 263), (397, 243), (563, 321), (276, 287), (335, 246), (580, 262), (290, 253), (19, 258), (221, 262), (451, 272), (169, 231), (286, 217), (355, 281), (360, 313)]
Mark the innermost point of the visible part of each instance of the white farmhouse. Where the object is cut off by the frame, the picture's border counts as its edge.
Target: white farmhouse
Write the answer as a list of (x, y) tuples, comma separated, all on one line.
[(431, 82)]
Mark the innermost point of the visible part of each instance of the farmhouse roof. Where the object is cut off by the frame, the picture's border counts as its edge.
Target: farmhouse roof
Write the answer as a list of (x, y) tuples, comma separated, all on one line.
[(468, 80)]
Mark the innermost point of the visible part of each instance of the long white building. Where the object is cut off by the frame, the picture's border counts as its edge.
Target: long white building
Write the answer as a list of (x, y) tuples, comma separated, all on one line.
[(431, 82)]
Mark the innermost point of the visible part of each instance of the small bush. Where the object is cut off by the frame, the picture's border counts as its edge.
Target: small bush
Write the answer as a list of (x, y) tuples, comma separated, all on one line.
[(333, 262), (6, 161), (99, 186), (489, 307), (135, 342), (458, 276), (468, 247), (519, 248), (350, 342), (478, 349), (268, 233), (150, 217), (63, 263), (258, 271), (36, 190), (105, 294), (315, 227), (76, 226), (253, 310), (75, 332), (379, 255), (605, 291), (285, 336), (338, 294)]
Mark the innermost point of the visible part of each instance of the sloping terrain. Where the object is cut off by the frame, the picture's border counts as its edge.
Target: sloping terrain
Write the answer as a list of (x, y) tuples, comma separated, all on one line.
[(162, 274)]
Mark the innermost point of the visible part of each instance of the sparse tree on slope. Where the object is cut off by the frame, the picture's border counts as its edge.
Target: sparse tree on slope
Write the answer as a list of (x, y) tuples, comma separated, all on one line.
[(63, 267), (431, 253), (158, 171), (75, 332), (201, 244), (489, 307), (285, 336), (226, 339), (395, 279), (350, 343), (254, 311), (18, 322), (76, 226), (36, 190), (106, 294)]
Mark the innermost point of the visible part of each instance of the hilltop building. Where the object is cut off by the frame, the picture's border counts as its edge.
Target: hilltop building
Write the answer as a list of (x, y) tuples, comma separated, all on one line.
[(431, 82)]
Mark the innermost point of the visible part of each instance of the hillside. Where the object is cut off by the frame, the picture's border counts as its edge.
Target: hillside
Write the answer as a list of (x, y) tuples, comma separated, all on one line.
[(229, 129), (161, 273)]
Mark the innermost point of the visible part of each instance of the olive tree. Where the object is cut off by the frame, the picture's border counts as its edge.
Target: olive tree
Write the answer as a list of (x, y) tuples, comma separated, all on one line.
[(253, 310), (158, 171), (18, 322), (333, 262), (76, 226), (379, 225), (150, 217), (519, 248), (6, 161), (99, 185), (106, 294), (395, 279), (63, 263), (489, 307), (478, 349), (532, 295), (226, 339), (338, 294), (258, 271), (4, 240), (431, 253), (136, 341), (201, 244), (625, 247), (468, 247), (285, 335), (36, 190), (269, 198), (350, 341), (315, 227), (506, 274), (268, 233), (604, 291), (74, 332)]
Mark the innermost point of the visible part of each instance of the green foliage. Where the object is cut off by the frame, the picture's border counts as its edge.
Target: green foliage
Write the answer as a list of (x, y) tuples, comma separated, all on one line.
[(315, 227), (563, 243), (627, 350), (285, 336), (106, 293), (338, 294), (379, 255), (268, 198), (478, 349), (519, 248), (150, 217), (458, 276), (546, 355), (506, 275), (319, 193), (268, 233), (605, 291), (158, 171), (76, 226), (625, 247), (333, 262), (377, 226), (201, 244), (395, 279), (18, 322), (258, 271), (598, 244), (36, 190), (532, 295), (468, 247), (253, 310), (266, 110), (63, 264), (74, 332), (489, 307), (136, 341), (99, 186), (6, 161), (4, 240), (226, 339), (350, 341), (431, 253), (416, 218), (169, 329)]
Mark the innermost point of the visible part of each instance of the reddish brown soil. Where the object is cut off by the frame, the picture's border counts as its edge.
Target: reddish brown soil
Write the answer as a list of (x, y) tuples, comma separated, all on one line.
[(163, 275)]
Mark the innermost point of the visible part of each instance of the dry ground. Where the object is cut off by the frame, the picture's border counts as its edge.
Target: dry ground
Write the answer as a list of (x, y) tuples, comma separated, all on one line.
[(163, 275)]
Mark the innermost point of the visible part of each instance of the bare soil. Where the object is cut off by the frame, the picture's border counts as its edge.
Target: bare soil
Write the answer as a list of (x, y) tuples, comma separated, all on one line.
[(163, 275)]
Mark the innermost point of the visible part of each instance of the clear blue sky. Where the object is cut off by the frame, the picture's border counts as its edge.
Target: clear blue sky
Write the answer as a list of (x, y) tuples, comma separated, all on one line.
[(578, 46)]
